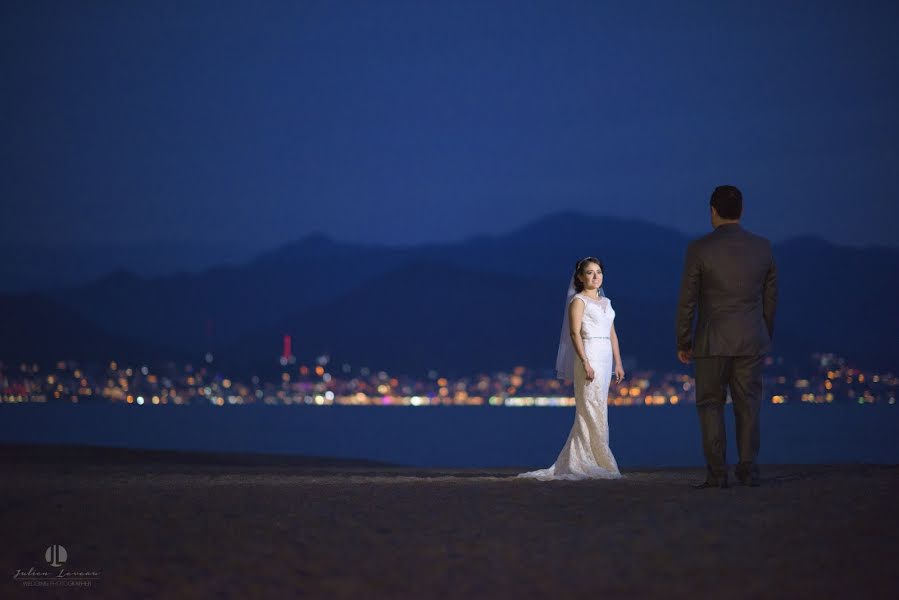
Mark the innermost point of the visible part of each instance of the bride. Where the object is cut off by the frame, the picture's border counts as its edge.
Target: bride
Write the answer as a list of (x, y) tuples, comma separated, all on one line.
[(587, 348)]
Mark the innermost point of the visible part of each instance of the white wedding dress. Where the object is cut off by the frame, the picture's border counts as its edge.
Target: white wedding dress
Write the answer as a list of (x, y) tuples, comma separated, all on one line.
[(586, 454)]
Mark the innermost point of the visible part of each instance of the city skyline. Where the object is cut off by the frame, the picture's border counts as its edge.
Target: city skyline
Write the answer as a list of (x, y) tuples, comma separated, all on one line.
[(832, 380)]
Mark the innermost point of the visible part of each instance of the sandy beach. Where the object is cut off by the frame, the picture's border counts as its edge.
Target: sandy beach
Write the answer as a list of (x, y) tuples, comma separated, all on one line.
[(178, 525)]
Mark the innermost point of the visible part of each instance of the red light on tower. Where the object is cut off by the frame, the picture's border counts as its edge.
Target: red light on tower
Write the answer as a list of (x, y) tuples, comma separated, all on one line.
[(286, 352)]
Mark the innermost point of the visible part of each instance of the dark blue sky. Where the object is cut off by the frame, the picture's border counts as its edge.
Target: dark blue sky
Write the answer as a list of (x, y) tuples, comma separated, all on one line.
[(393, 122)]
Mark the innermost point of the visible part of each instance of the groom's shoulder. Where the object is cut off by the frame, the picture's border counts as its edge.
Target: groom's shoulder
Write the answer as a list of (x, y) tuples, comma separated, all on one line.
[(704, 239), (757, 239), (702, 242), (761, 238), (714, 237)]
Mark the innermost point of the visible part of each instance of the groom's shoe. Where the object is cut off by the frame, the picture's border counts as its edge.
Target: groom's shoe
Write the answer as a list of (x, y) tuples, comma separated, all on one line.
[(708, 483), (749, 480)]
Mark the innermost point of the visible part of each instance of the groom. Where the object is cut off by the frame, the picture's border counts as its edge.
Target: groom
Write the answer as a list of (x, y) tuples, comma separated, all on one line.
[(730, 276)]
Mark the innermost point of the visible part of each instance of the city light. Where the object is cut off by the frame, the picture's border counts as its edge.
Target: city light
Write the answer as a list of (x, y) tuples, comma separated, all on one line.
[(828, 380)]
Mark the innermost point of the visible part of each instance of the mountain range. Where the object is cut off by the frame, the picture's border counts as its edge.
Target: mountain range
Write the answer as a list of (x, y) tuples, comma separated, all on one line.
[(484, 304)]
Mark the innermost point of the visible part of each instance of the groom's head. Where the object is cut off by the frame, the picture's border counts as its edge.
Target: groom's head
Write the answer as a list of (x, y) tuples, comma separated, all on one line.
[(726, 205)]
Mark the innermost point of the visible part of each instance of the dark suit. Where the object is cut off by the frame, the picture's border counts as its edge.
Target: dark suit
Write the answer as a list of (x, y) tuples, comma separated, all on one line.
[(731, 278)]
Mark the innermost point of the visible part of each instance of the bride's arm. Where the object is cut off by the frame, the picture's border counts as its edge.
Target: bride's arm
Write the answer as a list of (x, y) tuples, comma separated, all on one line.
[(575, 316), (616, 353)]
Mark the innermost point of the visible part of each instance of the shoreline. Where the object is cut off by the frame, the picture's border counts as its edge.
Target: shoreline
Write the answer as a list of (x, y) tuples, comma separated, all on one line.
[(451, 437)]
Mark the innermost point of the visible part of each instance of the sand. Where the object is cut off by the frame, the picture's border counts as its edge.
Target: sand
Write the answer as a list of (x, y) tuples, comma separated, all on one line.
[(169, 525)]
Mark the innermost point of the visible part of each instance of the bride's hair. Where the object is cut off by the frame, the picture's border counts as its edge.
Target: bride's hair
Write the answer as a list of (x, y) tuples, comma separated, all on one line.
[(579, 270)]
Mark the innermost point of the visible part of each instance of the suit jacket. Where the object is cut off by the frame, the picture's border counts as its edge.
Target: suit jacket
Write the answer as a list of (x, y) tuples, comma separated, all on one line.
[(730, 277)]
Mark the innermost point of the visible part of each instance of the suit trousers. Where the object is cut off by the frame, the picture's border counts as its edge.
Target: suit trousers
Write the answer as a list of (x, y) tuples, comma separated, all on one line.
[(743, 376)]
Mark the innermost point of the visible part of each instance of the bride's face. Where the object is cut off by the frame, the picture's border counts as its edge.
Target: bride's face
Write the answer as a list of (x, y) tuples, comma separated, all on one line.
[(591, 276)]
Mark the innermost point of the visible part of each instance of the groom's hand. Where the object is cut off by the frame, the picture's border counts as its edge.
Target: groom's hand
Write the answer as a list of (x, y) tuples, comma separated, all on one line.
[(685, 356)]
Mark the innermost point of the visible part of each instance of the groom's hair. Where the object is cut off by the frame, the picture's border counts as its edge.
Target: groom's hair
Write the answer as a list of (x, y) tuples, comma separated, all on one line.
[(728, 201)]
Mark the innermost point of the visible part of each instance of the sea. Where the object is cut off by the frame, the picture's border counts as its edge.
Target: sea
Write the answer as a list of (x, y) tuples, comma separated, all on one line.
[(456, 436)]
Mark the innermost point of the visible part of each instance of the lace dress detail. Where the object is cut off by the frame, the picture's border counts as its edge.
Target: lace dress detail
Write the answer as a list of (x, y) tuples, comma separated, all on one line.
[(586, 453)]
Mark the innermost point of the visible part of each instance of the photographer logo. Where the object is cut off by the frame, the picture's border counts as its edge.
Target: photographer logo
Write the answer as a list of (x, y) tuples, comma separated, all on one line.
[(56, 556)]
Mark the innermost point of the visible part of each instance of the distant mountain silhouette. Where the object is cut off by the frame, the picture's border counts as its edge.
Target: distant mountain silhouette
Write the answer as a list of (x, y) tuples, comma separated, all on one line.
[(489, 302), (41, 267), (202, 311), (36, 328)]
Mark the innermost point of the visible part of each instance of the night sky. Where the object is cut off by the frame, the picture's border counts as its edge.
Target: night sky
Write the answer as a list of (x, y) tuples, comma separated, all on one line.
[(402, 123)]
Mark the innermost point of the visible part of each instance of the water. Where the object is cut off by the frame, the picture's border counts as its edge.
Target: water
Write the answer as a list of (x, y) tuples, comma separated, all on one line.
[(450, 436)]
